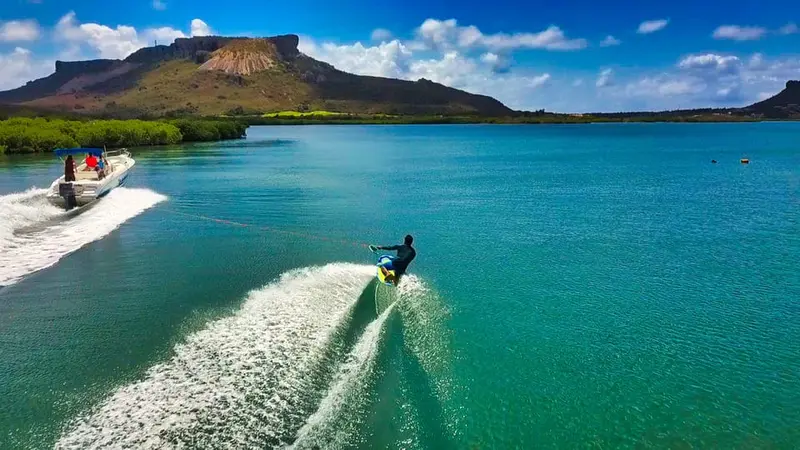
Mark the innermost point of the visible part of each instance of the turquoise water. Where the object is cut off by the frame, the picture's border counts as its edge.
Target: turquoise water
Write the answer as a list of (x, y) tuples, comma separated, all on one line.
[(598, 286)]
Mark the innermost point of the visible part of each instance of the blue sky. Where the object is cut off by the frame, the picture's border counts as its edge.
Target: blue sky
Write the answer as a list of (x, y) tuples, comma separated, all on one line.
[(571, 56)]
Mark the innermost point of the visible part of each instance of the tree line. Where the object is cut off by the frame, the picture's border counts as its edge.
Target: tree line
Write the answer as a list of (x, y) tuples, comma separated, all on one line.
[(32, 135)]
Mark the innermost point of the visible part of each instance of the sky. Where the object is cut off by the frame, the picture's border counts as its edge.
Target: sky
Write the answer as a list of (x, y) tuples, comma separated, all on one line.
[(561, 56)]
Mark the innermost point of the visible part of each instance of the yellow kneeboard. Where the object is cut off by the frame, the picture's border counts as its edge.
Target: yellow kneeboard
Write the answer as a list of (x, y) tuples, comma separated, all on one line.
[(381, 261)]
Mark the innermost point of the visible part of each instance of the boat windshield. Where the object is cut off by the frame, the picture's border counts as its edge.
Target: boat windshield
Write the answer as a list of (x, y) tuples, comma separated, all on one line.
[(62, 152)]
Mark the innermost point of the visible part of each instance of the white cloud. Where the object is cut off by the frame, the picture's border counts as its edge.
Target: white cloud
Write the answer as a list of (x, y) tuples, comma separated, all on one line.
[(702, 81), (469, 36), (381, 34), (729, 92), (200, 28), (438, 32), (663, 86), (707, 80), (789, 28), (112, 42), (388, 59), (604, 79), (610, 41), (71, 53), (552, 38), (756, 61), (106, 41), (773, 71), (490, 58), (651, 26), (67, 28), (452, 69), (765, 95), (578, 82), (540, 80), (308, 46), (480, 74), (118, 42), (677, 87), (19, 67), (164, 35), (159, 5), (447, 34), (737, 33), (19, 30), (498, 63), (710, 61)]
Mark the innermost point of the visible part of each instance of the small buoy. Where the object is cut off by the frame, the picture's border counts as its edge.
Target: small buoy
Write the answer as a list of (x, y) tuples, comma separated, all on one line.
[(713, 161), (744, 161)]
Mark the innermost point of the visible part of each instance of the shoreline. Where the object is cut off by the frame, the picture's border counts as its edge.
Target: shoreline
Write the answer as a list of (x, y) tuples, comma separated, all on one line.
[(40, 135), (446, 121), (538, 118)]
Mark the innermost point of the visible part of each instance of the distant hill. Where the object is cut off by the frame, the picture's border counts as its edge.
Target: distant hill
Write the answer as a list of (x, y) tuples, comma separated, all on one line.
[(221, 75), (783, 105)]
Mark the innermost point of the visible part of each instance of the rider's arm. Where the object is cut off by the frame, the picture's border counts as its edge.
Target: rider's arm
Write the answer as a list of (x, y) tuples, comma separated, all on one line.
[(391, 247)]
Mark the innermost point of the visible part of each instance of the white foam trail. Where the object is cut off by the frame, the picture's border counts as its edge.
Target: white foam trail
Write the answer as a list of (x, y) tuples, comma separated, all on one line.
[(23, 209), (426, 334), (320, 430), (238, 382), (329, 426), (23, 252)]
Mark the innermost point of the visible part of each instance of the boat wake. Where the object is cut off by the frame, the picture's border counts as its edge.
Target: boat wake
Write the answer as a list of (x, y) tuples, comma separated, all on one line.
[(342, 414), (35, 234), (287, 369)]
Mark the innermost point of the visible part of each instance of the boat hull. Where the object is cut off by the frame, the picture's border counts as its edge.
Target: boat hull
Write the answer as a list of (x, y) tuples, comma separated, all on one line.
[(69, 194)]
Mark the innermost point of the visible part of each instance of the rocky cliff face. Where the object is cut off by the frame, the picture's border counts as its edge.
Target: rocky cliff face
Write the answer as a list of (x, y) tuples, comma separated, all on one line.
[(196, 47), (67, 77), (182, 48), (286, 45), (75, 68), (245, 57)]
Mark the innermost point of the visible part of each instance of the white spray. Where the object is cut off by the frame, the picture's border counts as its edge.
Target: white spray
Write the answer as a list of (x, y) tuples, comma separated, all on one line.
[(30, 242), (238, 382)]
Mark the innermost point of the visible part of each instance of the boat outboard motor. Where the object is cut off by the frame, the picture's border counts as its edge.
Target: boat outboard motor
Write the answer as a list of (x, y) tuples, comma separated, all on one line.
[(67, 192)]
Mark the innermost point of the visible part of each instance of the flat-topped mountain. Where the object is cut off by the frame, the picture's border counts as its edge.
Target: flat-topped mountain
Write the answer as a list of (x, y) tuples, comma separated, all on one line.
[(216, 75)]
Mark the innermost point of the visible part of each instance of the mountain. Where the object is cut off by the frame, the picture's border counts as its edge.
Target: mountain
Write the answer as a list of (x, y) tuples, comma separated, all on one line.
[(785, 104), (217, 75)]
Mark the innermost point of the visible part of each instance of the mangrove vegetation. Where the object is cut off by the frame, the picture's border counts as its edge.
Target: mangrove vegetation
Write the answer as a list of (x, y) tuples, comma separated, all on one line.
[(32, 135)]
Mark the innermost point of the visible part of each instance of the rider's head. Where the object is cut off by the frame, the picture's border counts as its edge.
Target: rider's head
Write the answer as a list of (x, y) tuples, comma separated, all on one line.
[(409, 239)]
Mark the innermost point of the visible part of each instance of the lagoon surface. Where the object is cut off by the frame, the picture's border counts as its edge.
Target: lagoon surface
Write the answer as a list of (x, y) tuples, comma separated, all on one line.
[(586, 286)]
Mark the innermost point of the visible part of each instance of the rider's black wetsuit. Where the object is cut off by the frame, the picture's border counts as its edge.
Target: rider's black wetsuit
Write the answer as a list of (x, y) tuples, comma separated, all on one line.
[(405, 254)]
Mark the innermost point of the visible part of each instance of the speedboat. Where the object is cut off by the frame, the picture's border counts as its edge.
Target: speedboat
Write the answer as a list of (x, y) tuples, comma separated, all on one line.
[(90, 184)]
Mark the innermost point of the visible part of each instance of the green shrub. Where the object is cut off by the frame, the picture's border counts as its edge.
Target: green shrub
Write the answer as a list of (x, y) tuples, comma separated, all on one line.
[(201, 130), (17, 137), (23, 135), (20, 135)]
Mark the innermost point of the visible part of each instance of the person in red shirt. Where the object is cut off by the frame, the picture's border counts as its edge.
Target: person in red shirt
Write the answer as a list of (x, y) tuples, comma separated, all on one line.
[(91, 162)]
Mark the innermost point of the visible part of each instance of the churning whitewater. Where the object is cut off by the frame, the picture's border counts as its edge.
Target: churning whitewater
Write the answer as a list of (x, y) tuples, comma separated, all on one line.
[(35, 234), (243, 381)]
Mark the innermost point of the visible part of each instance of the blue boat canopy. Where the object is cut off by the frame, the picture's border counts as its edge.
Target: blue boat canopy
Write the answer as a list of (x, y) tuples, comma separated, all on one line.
[(78, 151)]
